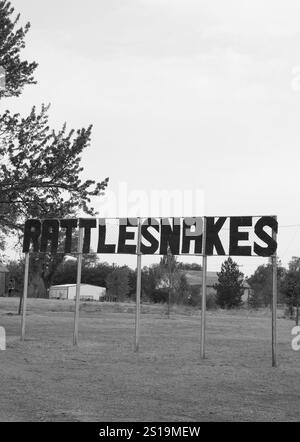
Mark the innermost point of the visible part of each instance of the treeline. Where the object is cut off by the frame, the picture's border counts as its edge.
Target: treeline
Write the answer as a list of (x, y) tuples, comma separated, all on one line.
[(120, 281), (163, 280), (288, 281)]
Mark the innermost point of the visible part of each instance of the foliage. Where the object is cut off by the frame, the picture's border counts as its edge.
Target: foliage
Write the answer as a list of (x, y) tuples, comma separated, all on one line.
[(117, 283), (16, 271), (18, 72), (229, 287), (187, 266), (211, 301), (159, 296), (182, 289), (39, 167), (36, 287), (93, 272), (173, 279), (291, 288), (261, 285), (151, 277), (40, 170)]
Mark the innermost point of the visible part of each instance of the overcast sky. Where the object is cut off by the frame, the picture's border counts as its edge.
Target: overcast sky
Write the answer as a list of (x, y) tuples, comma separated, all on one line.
[(183, 94)]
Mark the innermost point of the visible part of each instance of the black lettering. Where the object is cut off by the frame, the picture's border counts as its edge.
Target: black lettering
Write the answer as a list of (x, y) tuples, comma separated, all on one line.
[(169, 236), (266, 221), (87, 224), (188, 236), (50, 230), (69, 225), (32, 232), (212, 237), (102, 247), (124, 235), (154, 244), (235, 236)]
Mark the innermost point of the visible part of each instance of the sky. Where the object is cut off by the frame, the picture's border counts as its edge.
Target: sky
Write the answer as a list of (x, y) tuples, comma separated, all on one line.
[(198, 97)]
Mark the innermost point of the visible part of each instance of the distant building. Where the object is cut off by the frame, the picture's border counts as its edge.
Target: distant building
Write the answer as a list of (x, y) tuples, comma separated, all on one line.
[(194, 278), (3, 279), (88, 292)]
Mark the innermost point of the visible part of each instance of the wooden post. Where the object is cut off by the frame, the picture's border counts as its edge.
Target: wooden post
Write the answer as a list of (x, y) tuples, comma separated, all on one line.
[(25, 292), (274, 306), (203, 304), (170, 286), (78, 282), (138, 290)]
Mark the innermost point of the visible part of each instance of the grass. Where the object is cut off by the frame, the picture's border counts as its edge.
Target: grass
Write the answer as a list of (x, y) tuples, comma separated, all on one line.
[(45, 378)]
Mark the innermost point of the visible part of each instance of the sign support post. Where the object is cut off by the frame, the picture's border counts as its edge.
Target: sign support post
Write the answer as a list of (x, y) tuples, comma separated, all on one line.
[(25, 292), (78, 282), (274, 306), (138, 290), (203, 304), (170, 288)]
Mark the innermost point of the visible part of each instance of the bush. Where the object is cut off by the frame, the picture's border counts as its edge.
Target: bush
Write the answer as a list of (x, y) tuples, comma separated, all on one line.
[(211, 303), (159, 296)]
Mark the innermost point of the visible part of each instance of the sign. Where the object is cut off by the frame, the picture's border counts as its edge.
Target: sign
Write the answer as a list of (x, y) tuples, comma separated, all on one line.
[(234, 236)]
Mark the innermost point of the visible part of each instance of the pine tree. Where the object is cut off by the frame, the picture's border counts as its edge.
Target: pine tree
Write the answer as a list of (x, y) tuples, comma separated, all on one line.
[(229, 287)]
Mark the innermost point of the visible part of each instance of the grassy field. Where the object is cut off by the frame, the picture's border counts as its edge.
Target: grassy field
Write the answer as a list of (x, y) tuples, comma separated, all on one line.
[(46, 379)]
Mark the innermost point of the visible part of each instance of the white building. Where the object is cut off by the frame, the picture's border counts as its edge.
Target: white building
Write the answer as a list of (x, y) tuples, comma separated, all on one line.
[(68, 291)]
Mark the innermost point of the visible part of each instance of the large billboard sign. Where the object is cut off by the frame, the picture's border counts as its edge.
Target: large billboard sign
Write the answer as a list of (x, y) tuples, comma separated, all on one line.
[(234, 236)]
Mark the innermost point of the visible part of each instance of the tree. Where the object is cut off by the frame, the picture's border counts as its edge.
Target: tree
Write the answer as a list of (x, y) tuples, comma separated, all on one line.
[(117, 283), (261, 283), (40, 168), (151, 277), (93, 272), (16, 271), (18, 72), (291, 288), (183, 289), (168, 264), (66, 272), (187, 266), (173, 278), (132, 276), (229, 287)]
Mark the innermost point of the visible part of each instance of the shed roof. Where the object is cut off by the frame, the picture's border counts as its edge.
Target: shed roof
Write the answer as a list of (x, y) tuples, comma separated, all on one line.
[(194, 277), (74, 285)]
